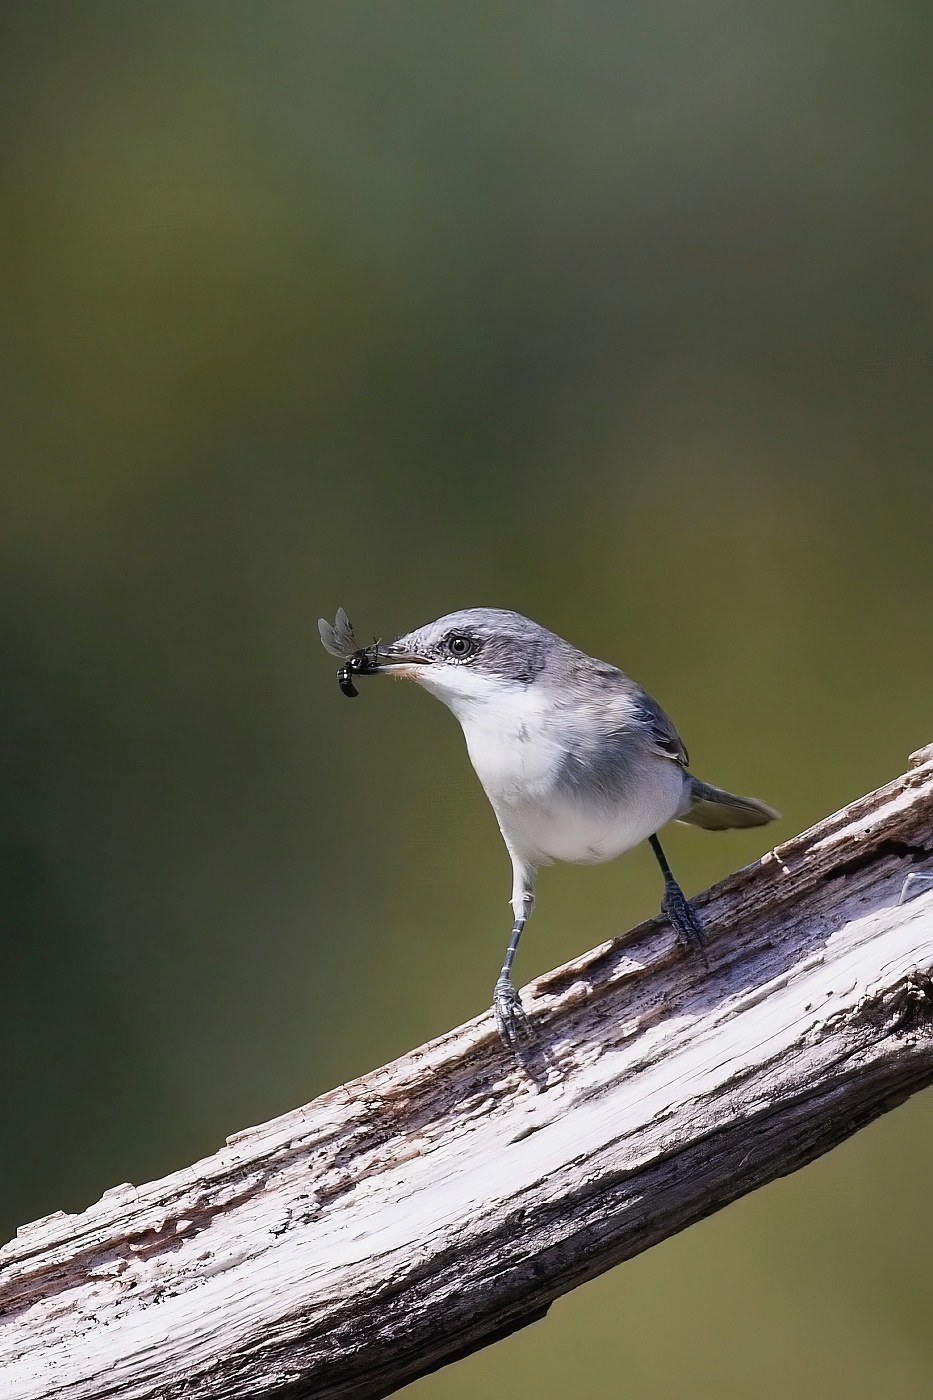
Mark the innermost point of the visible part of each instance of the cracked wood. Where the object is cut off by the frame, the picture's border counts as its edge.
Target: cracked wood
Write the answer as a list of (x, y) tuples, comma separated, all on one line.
[(442, 1201)]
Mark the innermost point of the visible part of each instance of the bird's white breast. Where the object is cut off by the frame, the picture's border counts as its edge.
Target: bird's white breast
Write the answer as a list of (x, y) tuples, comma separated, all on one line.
[(585, 833), (516, 738)]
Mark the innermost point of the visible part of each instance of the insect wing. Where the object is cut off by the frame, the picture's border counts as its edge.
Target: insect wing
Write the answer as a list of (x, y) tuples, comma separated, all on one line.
[(328, 637), (343, 631), (337, 639)]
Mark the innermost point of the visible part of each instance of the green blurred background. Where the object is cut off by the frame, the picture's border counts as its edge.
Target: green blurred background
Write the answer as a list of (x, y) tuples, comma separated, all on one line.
[(616, 314)]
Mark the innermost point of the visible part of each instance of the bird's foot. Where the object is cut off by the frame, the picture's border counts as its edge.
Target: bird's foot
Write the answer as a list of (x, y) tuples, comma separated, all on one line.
[(683, 921), (514, 1027)]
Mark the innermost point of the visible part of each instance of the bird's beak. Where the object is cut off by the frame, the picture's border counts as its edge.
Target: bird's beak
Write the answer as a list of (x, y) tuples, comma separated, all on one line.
[(399, 658)]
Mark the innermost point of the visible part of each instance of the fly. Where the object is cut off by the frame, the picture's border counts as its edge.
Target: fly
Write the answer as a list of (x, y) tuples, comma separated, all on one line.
[(340, 641)]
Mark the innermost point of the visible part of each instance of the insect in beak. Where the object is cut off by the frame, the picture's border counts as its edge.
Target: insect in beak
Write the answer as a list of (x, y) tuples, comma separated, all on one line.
[(345, 683), (361, 663), (340, 641)]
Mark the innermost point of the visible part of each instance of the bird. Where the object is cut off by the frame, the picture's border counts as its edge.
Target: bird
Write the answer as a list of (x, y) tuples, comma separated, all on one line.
[(578, 761)]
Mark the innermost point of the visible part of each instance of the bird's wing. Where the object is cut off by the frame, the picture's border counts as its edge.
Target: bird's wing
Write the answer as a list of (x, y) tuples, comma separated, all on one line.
[(659, 728), (625, 709)]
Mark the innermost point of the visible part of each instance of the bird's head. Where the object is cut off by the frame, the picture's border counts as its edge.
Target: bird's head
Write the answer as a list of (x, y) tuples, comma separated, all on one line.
[(467, 658)]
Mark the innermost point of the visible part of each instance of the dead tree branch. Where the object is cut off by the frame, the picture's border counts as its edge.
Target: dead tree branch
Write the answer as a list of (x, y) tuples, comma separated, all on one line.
[(445, 1200)]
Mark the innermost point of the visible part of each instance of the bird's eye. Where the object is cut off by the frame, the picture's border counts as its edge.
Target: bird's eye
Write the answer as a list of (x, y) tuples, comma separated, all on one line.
[(460, 646)]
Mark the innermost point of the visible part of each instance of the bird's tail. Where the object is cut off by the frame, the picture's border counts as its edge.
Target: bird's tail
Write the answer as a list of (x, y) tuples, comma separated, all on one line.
[(718, 810)]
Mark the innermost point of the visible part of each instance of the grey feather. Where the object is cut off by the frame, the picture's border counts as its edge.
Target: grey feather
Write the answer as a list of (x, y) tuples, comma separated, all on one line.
[(717, 810), (664, 737)]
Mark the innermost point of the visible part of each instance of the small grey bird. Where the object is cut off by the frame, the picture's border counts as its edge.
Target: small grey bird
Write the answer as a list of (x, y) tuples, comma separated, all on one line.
[(579, 763)]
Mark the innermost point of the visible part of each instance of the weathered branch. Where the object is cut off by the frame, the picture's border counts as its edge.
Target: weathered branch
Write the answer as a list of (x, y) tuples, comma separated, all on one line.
[(438, 1203)]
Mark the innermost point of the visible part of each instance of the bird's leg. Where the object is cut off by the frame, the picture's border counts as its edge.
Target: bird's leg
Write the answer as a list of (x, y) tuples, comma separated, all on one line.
[(674, 905), (511, 1022)]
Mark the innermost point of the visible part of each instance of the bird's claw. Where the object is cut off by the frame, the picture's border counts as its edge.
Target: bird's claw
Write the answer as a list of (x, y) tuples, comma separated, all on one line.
[(684, 922), (514, 1027)]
